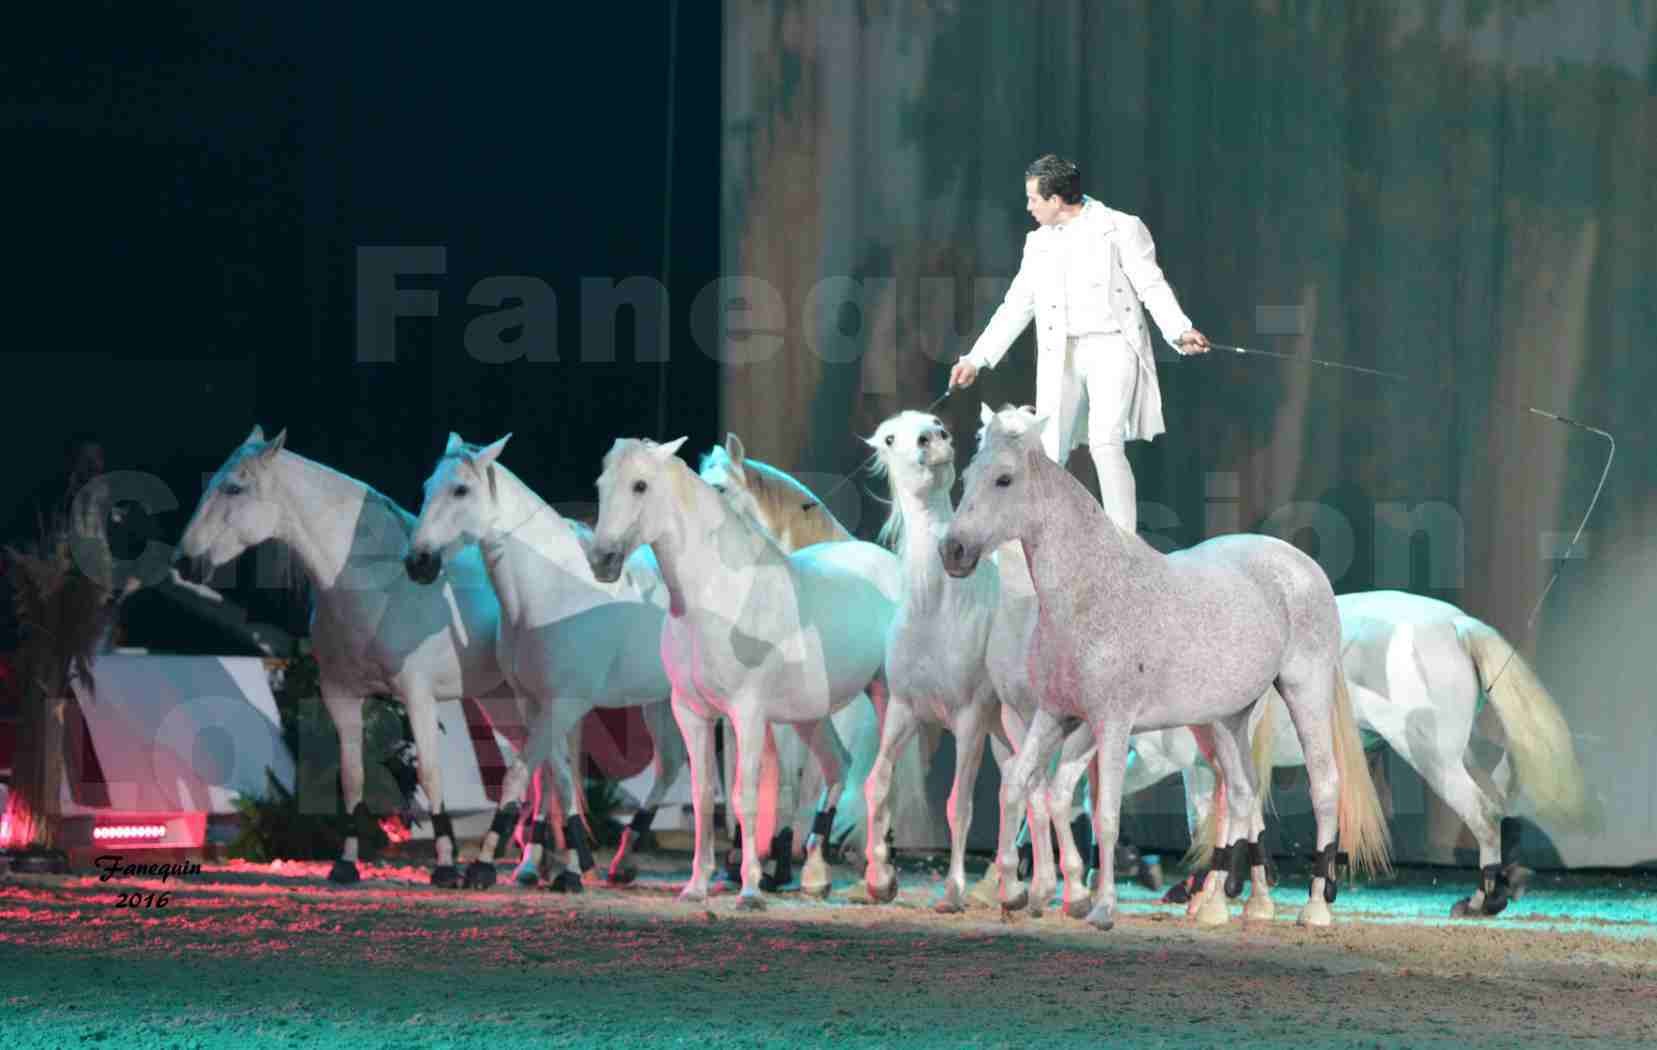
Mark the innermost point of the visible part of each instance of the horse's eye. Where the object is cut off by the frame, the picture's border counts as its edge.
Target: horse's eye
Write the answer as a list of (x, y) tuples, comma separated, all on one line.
[(230, 488), (463, 490), (889, 438), (640, 486), (1003, 481), (719, 489)]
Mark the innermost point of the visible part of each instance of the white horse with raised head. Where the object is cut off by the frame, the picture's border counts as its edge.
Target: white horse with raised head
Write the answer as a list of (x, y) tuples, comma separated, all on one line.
[(796, 518), (753, 635), (1419, 671), (955, 658), (373, 630), (1131, 639), (567, 644)]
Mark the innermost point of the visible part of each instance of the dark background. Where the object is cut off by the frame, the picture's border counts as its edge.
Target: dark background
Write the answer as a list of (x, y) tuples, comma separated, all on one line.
[(189, 184)]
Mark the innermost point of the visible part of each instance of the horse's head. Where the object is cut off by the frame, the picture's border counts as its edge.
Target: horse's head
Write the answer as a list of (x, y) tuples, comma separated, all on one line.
[(1017, 421), (997, 502), (240, 508), (459, 506), (915, 450), (635, 502), (725, 468)]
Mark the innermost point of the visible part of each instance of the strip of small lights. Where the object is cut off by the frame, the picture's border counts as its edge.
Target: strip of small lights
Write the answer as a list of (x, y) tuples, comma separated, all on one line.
[(130, 831)]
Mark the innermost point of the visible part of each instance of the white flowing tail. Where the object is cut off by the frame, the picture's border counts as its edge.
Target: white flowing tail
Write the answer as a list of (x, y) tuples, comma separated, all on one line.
[(1364, 835), (1538, 738)]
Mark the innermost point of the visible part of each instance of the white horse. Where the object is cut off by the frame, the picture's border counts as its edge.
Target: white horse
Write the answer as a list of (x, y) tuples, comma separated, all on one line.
[(753, 634), (373, 630), (1131, 639), (796, 518), (1418, 670), (568, 645), (955, 657)]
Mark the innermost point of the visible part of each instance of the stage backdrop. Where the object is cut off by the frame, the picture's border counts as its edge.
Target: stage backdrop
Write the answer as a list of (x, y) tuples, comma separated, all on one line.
[(1460, 192)]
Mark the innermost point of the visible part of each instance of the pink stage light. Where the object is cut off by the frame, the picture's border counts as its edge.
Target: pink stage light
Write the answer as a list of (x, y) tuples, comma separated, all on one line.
[(129, 832)]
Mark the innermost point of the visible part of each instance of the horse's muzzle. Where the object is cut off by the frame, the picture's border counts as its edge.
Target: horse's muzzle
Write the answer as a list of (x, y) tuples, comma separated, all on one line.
[(605, 564), (959, 559), (422, 566)]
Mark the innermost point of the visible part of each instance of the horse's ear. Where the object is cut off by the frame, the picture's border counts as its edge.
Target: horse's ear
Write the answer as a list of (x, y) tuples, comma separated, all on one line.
[(1039, 424), (668, 450), (734, 449), (809, 505), (274, 445), (487, 455), (984, 413), (454, 444), (256, 436), (1027, 409)]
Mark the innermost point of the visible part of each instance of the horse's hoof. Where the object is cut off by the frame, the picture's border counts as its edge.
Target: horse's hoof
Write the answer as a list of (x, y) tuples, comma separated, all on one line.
[(1315, 913), (883, 894), (344, 873), (527, 877), (565, 882), (480, 876), (1150, 876), (1259, 908), (950, 903), (1178, 893), (815, 891), (1461, 909), (1518, 878), (985, 893), (622, 876), (446, 877), (1078, 908), (692, 895), (750, 902), (1215, 910), (1017, 902), (1101, 918), (1495, 904)]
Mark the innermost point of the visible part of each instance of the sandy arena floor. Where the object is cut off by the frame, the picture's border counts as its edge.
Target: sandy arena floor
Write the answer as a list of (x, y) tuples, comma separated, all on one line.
[(251, 955)]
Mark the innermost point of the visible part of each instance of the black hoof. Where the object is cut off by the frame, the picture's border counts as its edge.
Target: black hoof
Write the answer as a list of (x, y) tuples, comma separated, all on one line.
[(446, 877), (344, 872), (623, 876), (565, 882), (1017, 903), (529, 878), (480, 876)]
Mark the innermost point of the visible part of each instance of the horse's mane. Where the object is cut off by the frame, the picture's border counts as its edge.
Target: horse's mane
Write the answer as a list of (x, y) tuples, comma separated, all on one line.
[(891, 530), (783, 498)]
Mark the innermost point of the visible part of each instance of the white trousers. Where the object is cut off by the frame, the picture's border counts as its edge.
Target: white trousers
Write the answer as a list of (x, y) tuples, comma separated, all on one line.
[(1096, 383)]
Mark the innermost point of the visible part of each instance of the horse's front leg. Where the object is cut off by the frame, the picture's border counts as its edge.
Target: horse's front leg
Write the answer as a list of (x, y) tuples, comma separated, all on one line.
[(1035, 751), (345, 709), (897, 727), (1112, 764), (697, 732), (1074, 758), (970, 726), (549, 748)]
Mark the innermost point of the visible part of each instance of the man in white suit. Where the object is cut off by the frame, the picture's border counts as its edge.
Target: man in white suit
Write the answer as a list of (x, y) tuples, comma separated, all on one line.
[(1086, 270)]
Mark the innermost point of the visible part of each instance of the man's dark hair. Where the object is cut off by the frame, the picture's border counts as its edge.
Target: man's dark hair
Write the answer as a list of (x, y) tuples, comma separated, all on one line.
[(1054, 174)]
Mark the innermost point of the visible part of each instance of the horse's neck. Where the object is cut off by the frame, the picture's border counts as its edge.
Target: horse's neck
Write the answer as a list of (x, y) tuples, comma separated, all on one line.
[(925, 518), (701, 547), (327, 514), (534, 543), (1077, 555)]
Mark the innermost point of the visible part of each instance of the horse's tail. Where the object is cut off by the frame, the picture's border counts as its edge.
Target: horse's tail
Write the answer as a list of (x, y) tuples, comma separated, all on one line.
[(1260, 749), (1538, 738), (1364, 835), (1206, 835)]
